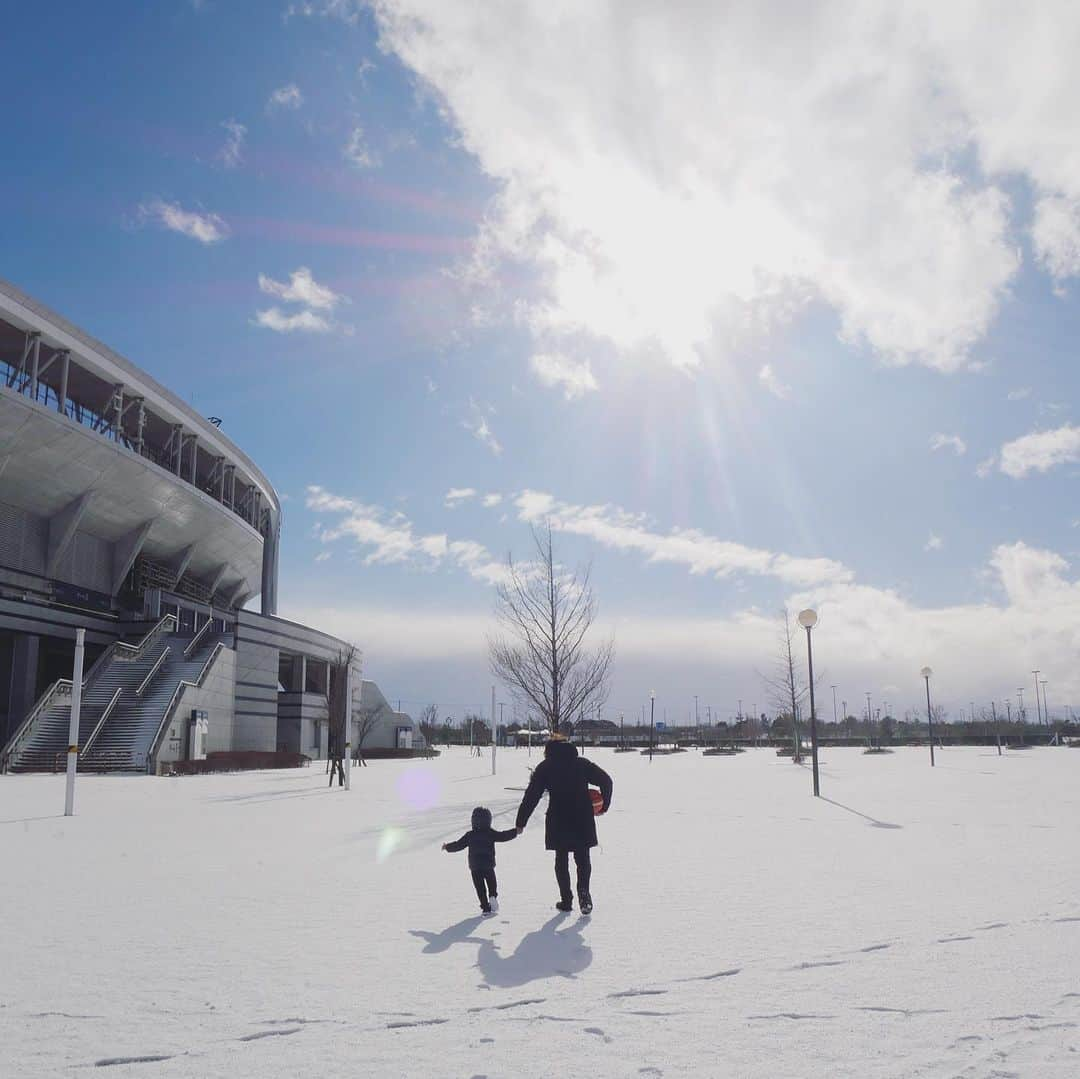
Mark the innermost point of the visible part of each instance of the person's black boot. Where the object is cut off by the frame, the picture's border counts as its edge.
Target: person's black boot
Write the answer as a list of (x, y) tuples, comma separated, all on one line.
[(565, 905), (585, 903)]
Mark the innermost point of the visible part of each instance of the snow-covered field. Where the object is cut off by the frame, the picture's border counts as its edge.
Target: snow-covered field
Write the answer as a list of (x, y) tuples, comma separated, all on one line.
[(910, 923)]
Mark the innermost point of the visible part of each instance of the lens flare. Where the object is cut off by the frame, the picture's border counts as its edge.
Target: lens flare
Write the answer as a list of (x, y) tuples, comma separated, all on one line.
[(391, 839), (418, 788)]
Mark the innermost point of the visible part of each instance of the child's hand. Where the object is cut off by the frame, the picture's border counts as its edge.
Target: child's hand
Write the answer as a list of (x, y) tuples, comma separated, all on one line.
[(445, 845)]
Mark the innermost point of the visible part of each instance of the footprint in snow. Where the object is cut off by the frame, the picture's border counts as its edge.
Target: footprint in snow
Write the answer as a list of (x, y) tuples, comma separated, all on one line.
[(269, 1034), (791, 1015), (417, 1023), (599, 1033), (637, 993), (952, 940), (822, 963), (875, 948), (110, 1062)]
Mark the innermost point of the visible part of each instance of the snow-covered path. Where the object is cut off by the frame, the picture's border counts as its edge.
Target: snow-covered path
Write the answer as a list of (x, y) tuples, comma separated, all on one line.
[(910, 923)]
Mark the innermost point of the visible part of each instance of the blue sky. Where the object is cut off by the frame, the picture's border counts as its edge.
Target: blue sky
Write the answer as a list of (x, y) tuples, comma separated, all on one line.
[(755, 327)]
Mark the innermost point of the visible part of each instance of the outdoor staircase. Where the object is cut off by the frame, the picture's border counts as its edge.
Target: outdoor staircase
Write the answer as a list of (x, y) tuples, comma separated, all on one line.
[(127, 737), (124, 702)]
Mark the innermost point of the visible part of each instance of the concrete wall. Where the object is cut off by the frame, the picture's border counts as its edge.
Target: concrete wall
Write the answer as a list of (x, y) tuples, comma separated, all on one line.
[(302, 719), (215, 697)]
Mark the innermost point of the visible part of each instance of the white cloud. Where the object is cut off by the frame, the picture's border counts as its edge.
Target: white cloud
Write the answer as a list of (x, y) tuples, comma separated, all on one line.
[(934, 543), (430, 384), (347, 11), (388, 538), (490, 500), (358, 152), (479, 429), (323, 556), (456, 495), (206, 228), (232, 153), (273, 318), (859, 155), (699, 552), (1040, 451), (1019, 394), (953, 442), (301, 288), (986, 466), (288, 96), (1056, 235), (866, 637), (573, 377), (771, 381)]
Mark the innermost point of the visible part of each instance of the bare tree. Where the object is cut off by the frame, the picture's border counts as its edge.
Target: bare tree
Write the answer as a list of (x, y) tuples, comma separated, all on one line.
[(540, 652), (337, 703), (786, 689), (366, 720), (429, 722)]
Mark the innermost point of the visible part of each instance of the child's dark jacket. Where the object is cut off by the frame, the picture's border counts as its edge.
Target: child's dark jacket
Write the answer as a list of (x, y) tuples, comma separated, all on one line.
[(481, 843)]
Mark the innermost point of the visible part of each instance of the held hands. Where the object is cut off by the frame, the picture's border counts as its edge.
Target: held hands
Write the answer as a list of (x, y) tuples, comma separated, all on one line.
[(445, 845), (519, 829)]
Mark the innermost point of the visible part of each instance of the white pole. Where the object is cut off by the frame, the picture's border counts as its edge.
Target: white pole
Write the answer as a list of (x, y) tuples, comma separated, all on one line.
[(494, 731), (346, 734), (73, 729)]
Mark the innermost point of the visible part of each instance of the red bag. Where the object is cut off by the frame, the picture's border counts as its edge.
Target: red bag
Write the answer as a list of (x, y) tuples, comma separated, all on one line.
[(597, 801)]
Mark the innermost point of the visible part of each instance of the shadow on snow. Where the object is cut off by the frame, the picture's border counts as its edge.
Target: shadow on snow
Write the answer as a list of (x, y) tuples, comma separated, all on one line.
[(547, 952)]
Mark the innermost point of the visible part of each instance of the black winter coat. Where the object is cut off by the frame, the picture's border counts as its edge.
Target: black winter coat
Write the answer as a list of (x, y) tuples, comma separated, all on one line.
[(571, 823), (481, 843)]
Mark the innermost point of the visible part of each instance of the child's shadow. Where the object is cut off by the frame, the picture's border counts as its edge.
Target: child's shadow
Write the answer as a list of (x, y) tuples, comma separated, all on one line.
[(547, 952), (454, 934)]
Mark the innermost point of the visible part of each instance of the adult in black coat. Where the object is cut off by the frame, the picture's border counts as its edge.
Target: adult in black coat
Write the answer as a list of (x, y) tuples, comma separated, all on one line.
[(571, 822)]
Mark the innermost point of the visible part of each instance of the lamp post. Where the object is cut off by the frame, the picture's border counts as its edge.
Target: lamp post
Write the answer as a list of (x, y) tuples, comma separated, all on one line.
[(1021, 714), (869, 722), (834, 705), (1046, 707), (808, 619), (926, 672), (652, 721), (1038, 706)]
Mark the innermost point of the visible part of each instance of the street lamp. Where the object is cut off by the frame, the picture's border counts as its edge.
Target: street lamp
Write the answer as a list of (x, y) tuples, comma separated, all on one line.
[(926, 672), (1046, 707), (808, 619), (1038, 706), (652, 721), (834, 705)]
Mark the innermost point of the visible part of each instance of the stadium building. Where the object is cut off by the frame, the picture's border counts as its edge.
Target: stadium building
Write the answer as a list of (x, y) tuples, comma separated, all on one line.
[(127, 514)]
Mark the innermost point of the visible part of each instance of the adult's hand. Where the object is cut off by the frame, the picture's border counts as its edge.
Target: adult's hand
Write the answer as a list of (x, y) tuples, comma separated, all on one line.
[(519, 829)]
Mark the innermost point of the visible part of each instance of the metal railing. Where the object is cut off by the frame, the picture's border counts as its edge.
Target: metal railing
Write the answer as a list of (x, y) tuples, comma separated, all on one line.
[(117, 650), (101, 722), (131, 652), (45, 701), (174, 700), (158, 664), (192, 644)]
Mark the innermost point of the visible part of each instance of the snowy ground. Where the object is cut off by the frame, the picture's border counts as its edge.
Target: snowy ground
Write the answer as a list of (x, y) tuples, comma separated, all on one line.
[(917, 923)]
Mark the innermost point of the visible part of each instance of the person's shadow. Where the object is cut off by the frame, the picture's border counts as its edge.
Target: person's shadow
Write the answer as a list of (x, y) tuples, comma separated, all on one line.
[(460, 933), (547, 952)]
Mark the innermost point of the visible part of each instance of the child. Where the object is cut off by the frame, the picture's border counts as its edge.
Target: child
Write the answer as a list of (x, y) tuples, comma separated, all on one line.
[(481, 840)]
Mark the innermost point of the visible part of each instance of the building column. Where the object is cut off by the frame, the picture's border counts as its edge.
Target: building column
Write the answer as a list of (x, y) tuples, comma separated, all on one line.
[(24, 673), (271, 539)]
